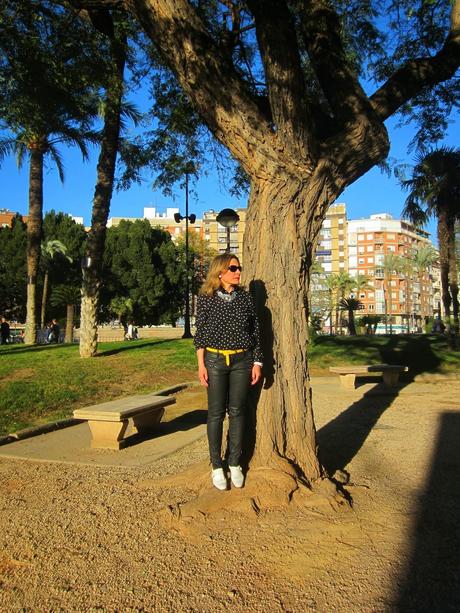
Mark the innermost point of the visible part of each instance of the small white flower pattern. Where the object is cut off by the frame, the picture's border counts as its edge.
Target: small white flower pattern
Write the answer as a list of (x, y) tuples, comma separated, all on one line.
[(224, 324)]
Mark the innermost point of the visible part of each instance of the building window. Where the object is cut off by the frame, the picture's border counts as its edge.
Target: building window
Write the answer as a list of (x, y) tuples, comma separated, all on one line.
[(369, 237), (370, 260), (370, 248), (360, 249), (360, 237)]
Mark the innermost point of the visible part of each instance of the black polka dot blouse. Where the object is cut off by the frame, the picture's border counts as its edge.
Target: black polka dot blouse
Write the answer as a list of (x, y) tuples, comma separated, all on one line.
[(224, 323)]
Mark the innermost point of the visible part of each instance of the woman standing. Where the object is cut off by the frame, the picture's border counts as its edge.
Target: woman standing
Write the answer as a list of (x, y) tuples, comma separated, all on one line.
[(229, 360)]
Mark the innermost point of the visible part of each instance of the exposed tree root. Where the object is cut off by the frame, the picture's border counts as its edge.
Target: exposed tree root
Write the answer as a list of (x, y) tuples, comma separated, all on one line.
[(264, 489)]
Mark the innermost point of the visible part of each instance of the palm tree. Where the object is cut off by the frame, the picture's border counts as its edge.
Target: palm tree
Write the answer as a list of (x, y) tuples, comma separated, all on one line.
[(49, 251), (424, 259), (434, 191), (39, 113), (122, 307), (68, 296), (351, 305), (344, 284), (391, 265), (113, 111)]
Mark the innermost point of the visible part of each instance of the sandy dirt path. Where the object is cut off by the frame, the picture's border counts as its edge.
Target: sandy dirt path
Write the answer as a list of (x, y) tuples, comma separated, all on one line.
[(85, 538)]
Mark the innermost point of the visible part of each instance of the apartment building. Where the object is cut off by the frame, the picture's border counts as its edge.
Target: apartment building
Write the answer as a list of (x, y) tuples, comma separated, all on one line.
[(407, 293), (331, 249), (7, 216), (216, 235), (165, 221)]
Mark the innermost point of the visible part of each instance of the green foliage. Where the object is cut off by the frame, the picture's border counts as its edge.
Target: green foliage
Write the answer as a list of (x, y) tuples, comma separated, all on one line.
[(61, 227), (434, 186), (139, 265), (64, 295), (49, 72), (13, 268)]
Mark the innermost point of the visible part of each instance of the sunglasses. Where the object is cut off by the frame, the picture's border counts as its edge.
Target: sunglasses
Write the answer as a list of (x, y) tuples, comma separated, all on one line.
[(234, 268)]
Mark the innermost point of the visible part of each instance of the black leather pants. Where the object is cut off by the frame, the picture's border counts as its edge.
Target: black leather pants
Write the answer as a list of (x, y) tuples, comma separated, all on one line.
[(228, 388)]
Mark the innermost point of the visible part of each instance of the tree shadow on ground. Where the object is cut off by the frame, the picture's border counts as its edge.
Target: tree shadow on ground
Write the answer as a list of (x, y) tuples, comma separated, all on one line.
[(132, 346), (259, 292), (182, 423), (341, 439), (34, 348), (432, 577)]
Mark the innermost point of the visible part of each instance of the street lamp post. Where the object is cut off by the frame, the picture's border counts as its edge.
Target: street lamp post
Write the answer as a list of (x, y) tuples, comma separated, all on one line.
[(178, 218), (228, 218)]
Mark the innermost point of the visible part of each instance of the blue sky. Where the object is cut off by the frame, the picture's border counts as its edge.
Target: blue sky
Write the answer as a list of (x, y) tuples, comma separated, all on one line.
[(373, 193)]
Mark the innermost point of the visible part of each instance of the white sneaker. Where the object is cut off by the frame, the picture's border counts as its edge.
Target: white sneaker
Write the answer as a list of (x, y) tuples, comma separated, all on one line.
[(218, 479), (237, 476)]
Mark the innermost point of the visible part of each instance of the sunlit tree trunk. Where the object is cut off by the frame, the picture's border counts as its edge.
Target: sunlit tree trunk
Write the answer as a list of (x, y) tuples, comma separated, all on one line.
[(34, 233), (44, 299), (92, 264), (276, 269), (69, 323)]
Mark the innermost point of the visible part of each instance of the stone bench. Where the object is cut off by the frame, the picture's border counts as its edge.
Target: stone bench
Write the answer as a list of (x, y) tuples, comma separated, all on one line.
[(348, 374), (108, 421)]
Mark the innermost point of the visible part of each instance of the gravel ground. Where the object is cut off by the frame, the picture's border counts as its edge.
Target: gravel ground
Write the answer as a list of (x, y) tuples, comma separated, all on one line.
[(84, 538)]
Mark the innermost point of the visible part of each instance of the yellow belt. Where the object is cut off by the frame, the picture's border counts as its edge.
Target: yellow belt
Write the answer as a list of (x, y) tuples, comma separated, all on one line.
[(226, 352)]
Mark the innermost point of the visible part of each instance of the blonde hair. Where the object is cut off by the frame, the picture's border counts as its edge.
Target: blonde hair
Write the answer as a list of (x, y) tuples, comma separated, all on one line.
[(218, 266)]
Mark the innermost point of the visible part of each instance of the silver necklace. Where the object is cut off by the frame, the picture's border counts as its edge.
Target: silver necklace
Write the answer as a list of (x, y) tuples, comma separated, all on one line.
[(226, 297)]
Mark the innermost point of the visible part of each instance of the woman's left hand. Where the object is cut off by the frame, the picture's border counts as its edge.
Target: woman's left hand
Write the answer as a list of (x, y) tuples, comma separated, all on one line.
[(256, 374)]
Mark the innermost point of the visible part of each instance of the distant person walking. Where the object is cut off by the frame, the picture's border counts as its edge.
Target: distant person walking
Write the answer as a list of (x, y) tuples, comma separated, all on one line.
[(4, 331), (54, 332), (229, 360)]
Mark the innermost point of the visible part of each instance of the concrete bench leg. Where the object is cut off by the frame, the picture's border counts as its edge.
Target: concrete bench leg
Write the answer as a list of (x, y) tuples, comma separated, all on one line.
[(348, 381), (107, 434), (390, 378), (148, 422)]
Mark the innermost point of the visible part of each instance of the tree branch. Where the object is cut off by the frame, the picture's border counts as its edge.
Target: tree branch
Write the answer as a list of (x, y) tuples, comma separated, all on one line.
[(207, 75), (320, 27), (277, 40), (417, 74)]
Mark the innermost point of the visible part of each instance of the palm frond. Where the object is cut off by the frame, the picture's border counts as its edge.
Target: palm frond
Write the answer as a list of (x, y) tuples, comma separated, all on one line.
[(56, 157)]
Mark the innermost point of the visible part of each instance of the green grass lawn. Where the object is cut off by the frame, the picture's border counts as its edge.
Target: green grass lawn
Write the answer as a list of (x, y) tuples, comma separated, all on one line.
[(45, 383)]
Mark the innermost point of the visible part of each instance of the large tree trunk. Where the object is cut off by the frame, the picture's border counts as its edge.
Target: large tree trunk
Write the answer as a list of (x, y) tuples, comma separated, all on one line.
[(92, 265), (34, 234), (277, 269)]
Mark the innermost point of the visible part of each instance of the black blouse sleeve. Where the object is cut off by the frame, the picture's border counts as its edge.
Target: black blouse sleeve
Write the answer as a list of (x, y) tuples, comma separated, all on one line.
[(200, 322), (257, 349)]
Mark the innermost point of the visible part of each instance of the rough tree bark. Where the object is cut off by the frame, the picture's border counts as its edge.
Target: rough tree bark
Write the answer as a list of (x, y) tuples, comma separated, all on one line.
[(92, 265), (34, 232), (69, 323)]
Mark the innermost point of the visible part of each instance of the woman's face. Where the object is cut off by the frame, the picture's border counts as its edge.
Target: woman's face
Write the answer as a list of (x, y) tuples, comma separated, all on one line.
[(228, 277)]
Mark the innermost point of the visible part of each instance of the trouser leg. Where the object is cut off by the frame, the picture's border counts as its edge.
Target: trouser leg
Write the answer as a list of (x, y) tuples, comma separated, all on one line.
[(218, 380), (239, 381)]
